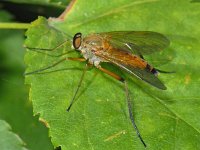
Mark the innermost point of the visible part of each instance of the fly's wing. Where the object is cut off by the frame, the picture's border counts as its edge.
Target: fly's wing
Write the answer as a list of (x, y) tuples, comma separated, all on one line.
[(137, 42), (142, 74)]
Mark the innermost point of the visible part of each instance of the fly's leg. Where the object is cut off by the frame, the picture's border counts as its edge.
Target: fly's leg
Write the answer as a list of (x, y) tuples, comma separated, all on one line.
[(131, 113), (78, 87), (58, 62), (59, 55), (54, 64), (40, 50), (162, 71), (111, 74), (47, 49), (127, 99)]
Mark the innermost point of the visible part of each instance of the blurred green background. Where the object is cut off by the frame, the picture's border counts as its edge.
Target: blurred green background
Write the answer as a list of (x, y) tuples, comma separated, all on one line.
[(15, 108)]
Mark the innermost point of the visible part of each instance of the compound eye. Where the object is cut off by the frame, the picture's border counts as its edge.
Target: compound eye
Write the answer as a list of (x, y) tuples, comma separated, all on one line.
[(77, 40)]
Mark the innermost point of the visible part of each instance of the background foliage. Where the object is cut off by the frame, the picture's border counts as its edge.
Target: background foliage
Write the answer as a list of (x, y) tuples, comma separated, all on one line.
[(14, 105)]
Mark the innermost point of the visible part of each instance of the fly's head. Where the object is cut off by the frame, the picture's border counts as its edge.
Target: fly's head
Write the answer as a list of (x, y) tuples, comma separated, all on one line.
[(77, 41), (89, 43)]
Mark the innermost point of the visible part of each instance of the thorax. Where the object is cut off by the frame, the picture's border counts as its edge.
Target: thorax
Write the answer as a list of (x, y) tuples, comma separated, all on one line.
[(90, 47)]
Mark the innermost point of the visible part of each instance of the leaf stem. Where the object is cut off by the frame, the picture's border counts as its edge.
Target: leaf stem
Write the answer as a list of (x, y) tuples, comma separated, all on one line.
[(14, 25)]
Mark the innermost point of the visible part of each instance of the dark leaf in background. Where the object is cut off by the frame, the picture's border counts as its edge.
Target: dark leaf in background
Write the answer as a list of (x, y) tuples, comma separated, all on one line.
[(8, 139), (15, 108)]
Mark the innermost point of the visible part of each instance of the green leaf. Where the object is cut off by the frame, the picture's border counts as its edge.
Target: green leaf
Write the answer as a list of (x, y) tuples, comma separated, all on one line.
[(8, 139), (15, 108), (99, 117), (42, 2)]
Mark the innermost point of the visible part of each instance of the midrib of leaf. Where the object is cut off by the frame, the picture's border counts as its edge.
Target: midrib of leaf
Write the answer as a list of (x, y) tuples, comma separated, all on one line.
[(175, 133), (85, 128), (173, 112), (111, 12)]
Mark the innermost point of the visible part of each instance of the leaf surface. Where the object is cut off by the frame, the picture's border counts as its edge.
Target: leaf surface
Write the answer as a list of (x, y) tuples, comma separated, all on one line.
[(9, 140), (99, 117)]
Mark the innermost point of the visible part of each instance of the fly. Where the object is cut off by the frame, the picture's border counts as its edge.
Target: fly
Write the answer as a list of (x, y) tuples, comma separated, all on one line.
[(124, 49)]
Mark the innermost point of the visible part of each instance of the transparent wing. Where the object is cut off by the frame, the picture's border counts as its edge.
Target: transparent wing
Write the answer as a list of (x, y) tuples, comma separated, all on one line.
[(137, 42), (143, 74)]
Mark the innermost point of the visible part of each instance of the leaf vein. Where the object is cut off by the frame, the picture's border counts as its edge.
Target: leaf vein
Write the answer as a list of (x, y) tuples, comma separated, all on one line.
[(160, 101), (111, 12)]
